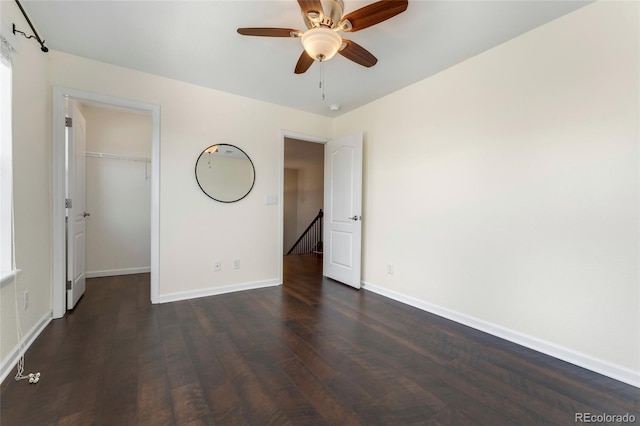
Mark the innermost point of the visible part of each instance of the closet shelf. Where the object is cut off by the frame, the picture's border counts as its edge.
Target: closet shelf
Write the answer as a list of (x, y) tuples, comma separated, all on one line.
[(116, 157)]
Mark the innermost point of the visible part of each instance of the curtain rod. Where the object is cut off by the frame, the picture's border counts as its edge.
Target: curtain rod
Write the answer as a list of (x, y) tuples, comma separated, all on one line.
[(35, 35)]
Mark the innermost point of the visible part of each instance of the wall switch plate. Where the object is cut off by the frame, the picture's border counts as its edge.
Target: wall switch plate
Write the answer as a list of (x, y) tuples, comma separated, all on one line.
[(217, 266), (236, 263), (272, 200), (390, 268)]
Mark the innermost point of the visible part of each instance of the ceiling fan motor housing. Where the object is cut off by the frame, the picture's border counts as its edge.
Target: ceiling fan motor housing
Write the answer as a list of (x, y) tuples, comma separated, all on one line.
[(329, 16)]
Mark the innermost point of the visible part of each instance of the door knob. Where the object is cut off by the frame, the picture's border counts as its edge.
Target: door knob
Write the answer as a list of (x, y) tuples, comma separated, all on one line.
[(85, 214), (356, 217)]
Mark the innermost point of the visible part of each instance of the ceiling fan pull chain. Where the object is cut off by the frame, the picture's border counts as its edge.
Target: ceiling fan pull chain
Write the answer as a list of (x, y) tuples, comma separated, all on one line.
[(322, 78)]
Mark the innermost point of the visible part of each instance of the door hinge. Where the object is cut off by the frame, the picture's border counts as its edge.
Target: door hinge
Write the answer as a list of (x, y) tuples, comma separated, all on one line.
[(67, 203), (68, 122), (68, 285)]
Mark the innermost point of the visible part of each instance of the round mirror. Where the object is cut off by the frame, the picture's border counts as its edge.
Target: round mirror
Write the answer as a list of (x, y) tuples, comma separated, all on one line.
[(225, 173)]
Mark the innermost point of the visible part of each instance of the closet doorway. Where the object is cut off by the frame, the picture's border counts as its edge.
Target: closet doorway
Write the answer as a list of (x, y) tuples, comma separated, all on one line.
[(122, 189), (118, 190)]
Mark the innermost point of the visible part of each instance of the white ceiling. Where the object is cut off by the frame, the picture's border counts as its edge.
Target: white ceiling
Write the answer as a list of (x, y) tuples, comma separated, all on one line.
[(197, 42)]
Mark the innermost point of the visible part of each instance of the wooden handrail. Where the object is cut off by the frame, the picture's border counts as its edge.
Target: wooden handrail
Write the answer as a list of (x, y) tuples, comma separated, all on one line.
[(311, 238)]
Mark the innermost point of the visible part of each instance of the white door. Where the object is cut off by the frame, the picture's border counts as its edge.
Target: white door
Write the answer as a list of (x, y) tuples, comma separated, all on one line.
[(343, 209), (76, 212)]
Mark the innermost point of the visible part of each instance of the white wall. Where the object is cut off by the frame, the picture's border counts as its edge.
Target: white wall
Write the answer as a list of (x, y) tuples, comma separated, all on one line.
[(118, 192), (510, 197), (310, 195), (31, 172), (195, 230)]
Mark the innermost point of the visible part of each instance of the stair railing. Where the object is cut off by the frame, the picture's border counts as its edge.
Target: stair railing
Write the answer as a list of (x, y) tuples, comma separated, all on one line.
[(311, 239)]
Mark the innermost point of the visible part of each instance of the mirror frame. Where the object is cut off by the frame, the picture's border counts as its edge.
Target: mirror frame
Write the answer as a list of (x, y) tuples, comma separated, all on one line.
[(204, 151)]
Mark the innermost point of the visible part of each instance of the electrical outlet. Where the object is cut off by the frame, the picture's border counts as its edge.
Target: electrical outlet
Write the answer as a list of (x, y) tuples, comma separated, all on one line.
[(25, 300), (236, 263), (390, 268), (217, 266)]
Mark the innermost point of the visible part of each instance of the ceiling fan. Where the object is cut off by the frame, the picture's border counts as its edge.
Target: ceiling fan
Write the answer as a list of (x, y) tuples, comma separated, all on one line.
[(324, 18)]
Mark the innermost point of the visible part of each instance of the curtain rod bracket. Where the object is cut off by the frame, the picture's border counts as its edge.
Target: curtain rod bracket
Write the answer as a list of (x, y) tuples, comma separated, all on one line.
[(35, 35)]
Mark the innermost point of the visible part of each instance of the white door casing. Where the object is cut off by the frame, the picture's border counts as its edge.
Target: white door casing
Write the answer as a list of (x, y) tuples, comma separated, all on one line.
[(343, 209), (76, 212)]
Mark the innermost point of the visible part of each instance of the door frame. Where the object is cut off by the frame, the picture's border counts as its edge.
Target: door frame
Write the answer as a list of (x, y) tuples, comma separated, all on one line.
[(306, 138), (58, 214)]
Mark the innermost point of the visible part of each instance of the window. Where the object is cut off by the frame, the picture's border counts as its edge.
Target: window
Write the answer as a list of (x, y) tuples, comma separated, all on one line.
[(6, 173)]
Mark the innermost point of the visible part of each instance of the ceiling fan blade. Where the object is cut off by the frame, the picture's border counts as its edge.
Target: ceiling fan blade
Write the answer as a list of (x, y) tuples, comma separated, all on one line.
[(304, 62), (270, 32), (357, 54), (374, 14)]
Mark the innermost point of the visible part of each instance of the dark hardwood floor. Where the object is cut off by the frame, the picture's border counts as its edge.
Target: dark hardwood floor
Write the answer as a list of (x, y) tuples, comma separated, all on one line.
[(310, 352)]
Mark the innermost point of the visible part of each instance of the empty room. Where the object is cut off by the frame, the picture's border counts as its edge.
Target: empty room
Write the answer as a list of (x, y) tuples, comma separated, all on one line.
[(455, 238)]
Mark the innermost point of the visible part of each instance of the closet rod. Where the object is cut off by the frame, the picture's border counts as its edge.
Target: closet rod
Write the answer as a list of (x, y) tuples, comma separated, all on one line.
[(116, 157)]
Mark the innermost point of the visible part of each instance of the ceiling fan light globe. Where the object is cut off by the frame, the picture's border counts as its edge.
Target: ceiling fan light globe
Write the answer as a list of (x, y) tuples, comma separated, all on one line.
[(321, 43)]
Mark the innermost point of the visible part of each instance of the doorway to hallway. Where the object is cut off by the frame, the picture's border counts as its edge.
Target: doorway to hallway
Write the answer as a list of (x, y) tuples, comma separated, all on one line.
[(303, 199)]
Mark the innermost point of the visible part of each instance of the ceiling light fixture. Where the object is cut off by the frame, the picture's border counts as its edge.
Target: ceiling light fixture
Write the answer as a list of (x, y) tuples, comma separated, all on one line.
[(321, 43)]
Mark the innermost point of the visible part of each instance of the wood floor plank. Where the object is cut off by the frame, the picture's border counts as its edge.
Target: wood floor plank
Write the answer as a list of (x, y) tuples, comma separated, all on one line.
[(264, 356), (257, 403), (318, 395), (120, 387), (190, 405), (222, 398), (154, 402)]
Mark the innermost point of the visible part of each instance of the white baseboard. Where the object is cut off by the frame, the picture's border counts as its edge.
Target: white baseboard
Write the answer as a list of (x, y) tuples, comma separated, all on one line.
[(10, 361), (213, 291), (617, 372), (114, 272)]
